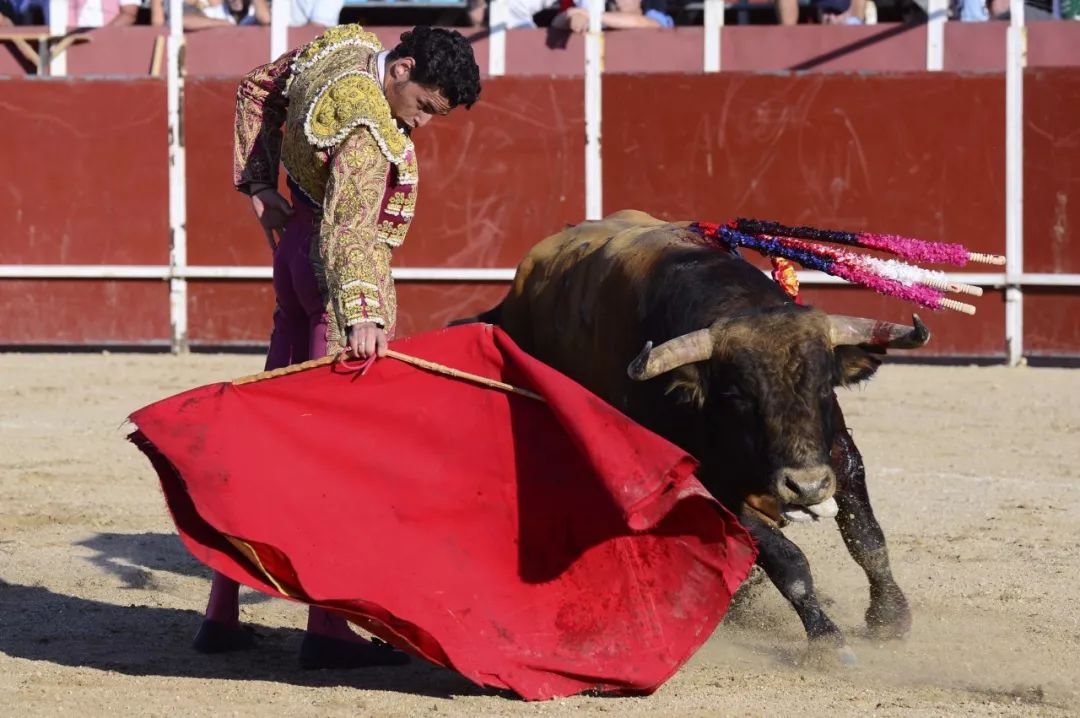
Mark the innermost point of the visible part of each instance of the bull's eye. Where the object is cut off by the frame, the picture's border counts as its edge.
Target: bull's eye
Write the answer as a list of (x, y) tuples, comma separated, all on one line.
[(732, 395)]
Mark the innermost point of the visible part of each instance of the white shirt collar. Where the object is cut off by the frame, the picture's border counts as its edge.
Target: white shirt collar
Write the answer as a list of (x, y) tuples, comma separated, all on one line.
[(380, 61)]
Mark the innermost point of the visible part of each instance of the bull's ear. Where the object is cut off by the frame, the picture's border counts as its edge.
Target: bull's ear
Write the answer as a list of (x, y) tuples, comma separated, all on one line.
[(854, 364), (687, 385)]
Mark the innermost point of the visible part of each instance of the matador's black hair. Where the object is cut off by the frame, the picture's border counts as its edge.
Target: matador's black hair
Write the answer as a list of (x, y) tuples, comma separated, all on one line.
[(444, 59)]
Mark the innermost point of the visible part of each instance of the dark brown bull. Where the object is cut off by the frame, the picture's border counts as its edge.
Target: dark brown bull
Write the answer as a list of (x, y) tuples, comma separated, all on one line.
[(732, 371)]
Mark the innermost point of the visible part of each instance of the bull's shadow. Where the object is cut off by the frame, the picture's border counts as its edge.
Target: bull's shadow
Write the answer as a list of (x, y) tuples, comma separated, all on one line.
[(40, 625), (133, 558)]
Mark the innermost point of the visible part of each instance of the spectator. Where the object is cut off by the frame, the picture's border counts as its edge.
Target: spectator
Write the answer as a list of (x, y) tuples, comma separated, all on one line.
[(620, 15), (840, 12), (316, 12), (129, 13), (787, 12), (826, 12), (81, 13), (477, 13), (522, 13), (199, 14), (8, 14), (982, 10)]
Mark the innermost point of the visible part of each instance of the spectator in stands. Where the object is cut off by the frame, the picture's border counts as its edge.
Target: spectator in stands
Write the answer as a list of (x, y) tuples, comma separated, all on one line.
[(826, 12), (81, 13), (619, 15), (840, 12), (316, 12), (8, 14), (787, 12), (982, 10), (129, 12), (199, 14), (477, 13), (522, 13)]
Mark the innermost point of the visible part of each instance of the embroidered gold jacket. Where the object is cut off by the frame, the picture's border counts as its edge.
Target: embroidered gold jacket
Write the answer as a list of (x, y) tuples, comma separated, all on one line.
[(346, 154)]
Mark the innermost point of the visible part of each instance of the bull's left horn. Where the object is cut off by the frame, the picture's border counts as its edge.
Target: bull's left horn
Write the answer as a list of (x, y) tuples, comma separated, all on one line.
[(685, 349), (887, 335)]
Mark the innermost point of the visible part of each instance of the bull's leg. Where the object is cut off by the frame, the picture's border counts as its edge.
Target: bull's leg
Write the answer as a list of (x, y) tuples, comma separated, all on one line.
[(888, 615), (786, 566)]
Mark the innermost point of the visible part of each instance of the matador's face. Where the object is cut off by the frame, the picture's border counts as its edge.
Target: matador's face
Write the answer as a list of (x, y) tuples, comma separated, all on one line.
[(412, 104)]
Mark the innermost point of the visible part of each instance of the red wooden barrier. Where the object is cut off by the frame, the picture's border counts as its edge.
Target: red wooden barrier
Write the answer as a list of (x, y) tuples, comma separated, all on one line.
[(913, 153)]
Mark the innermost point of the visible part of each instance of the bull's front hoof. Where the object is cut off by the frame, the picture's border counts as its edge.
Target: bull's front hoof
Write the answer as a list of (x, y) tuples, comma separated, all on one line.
[(217, 637), (831, 652), (889, 617), (846, 657)]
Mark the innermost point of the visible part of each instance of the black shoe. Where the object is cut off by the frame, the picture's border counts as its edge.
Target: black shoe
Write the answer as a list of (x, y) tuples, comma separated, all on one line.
[(324, 652), (217, 637)]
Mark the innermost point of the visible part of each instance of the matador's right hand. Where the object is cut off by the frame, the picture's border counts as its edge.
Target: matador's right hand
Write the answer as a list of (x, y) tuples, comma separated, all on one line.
[(273, 212)]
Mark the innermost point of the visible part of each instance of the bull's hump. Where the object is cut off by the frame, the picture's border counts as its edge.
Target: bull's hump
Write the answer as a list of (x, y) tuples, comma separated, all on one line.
[(631, 217), (629, 237)]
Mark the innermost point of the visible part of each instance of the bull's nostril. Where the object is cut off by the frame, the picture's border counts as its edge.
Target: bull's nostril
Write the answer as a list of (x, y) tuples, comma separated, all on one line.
[(793, 485)]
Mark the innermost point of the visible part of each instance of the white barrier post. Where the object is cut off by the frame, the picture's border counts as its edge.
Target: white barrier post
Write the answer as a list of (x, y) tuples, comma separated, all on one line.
[(937, 12), (177, 179), (1016, 58), (594, 68), (497, 26), (280, 15), (714, 21), (58, 26)]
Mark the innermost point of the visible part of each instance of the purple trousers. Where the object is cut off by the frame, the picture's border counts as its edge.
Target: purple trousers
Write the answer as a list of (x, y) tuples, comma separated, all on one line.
[(300, 315)]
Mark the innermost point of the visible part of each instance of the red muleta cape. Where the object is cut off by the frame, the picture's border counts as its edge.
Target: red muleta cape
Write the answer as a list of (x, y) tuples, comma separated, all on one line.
[(546, 548)]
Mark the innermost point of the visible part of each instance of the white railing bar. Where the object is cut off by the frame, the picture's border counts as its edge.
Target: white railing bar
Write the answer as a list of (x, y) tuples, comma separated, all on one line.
[(714, 21), (937, 12), (498, 12), (178, 318), (58, 27), (594, 68), (1016, 58), (84, 271), (1031, 279), (437, 274), (280, 16)]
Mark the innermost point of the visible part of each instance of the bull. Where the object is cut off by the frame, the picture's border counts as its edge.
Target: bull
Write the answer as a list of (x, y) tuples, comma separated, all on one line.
[(732, 371)]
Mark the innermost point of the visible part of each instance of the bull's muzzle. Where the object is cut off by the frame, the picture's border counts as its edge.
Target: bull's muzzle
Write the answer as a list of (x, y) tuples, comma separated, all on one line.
[(804, 486)]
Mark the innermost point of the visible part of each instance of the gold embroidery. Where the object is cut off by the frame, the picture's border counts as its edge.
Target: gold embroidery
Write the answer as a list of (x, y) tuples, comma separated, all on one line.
[(351, 100), (401, 204), (360, 286), (308, 166), (392, 233), (333, 92), (261, 107), (408, 170), (332, 39)]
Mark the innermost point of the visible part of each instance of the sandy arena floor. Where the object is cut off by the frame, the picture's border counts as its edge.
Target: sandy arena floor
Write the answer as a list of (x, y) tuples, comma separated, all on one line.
[(974, 472)]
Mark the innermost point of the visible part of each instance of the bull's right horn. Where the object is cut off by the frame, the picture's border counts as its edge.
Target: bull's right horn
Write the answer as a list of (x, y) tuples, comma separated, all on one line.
[(685, 349), (858, 330)]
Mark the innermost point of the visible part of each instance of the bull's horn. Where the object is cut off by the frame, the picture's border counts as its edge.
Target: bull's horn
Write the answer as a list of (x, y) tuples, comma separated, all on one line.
[(685, 349), (857, 330)]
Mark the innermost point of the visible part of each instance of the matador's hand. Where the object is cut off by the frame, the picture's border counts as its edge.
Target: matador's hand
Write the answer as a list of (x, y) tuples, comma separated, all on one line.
[(365, 339), (273, 212)]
